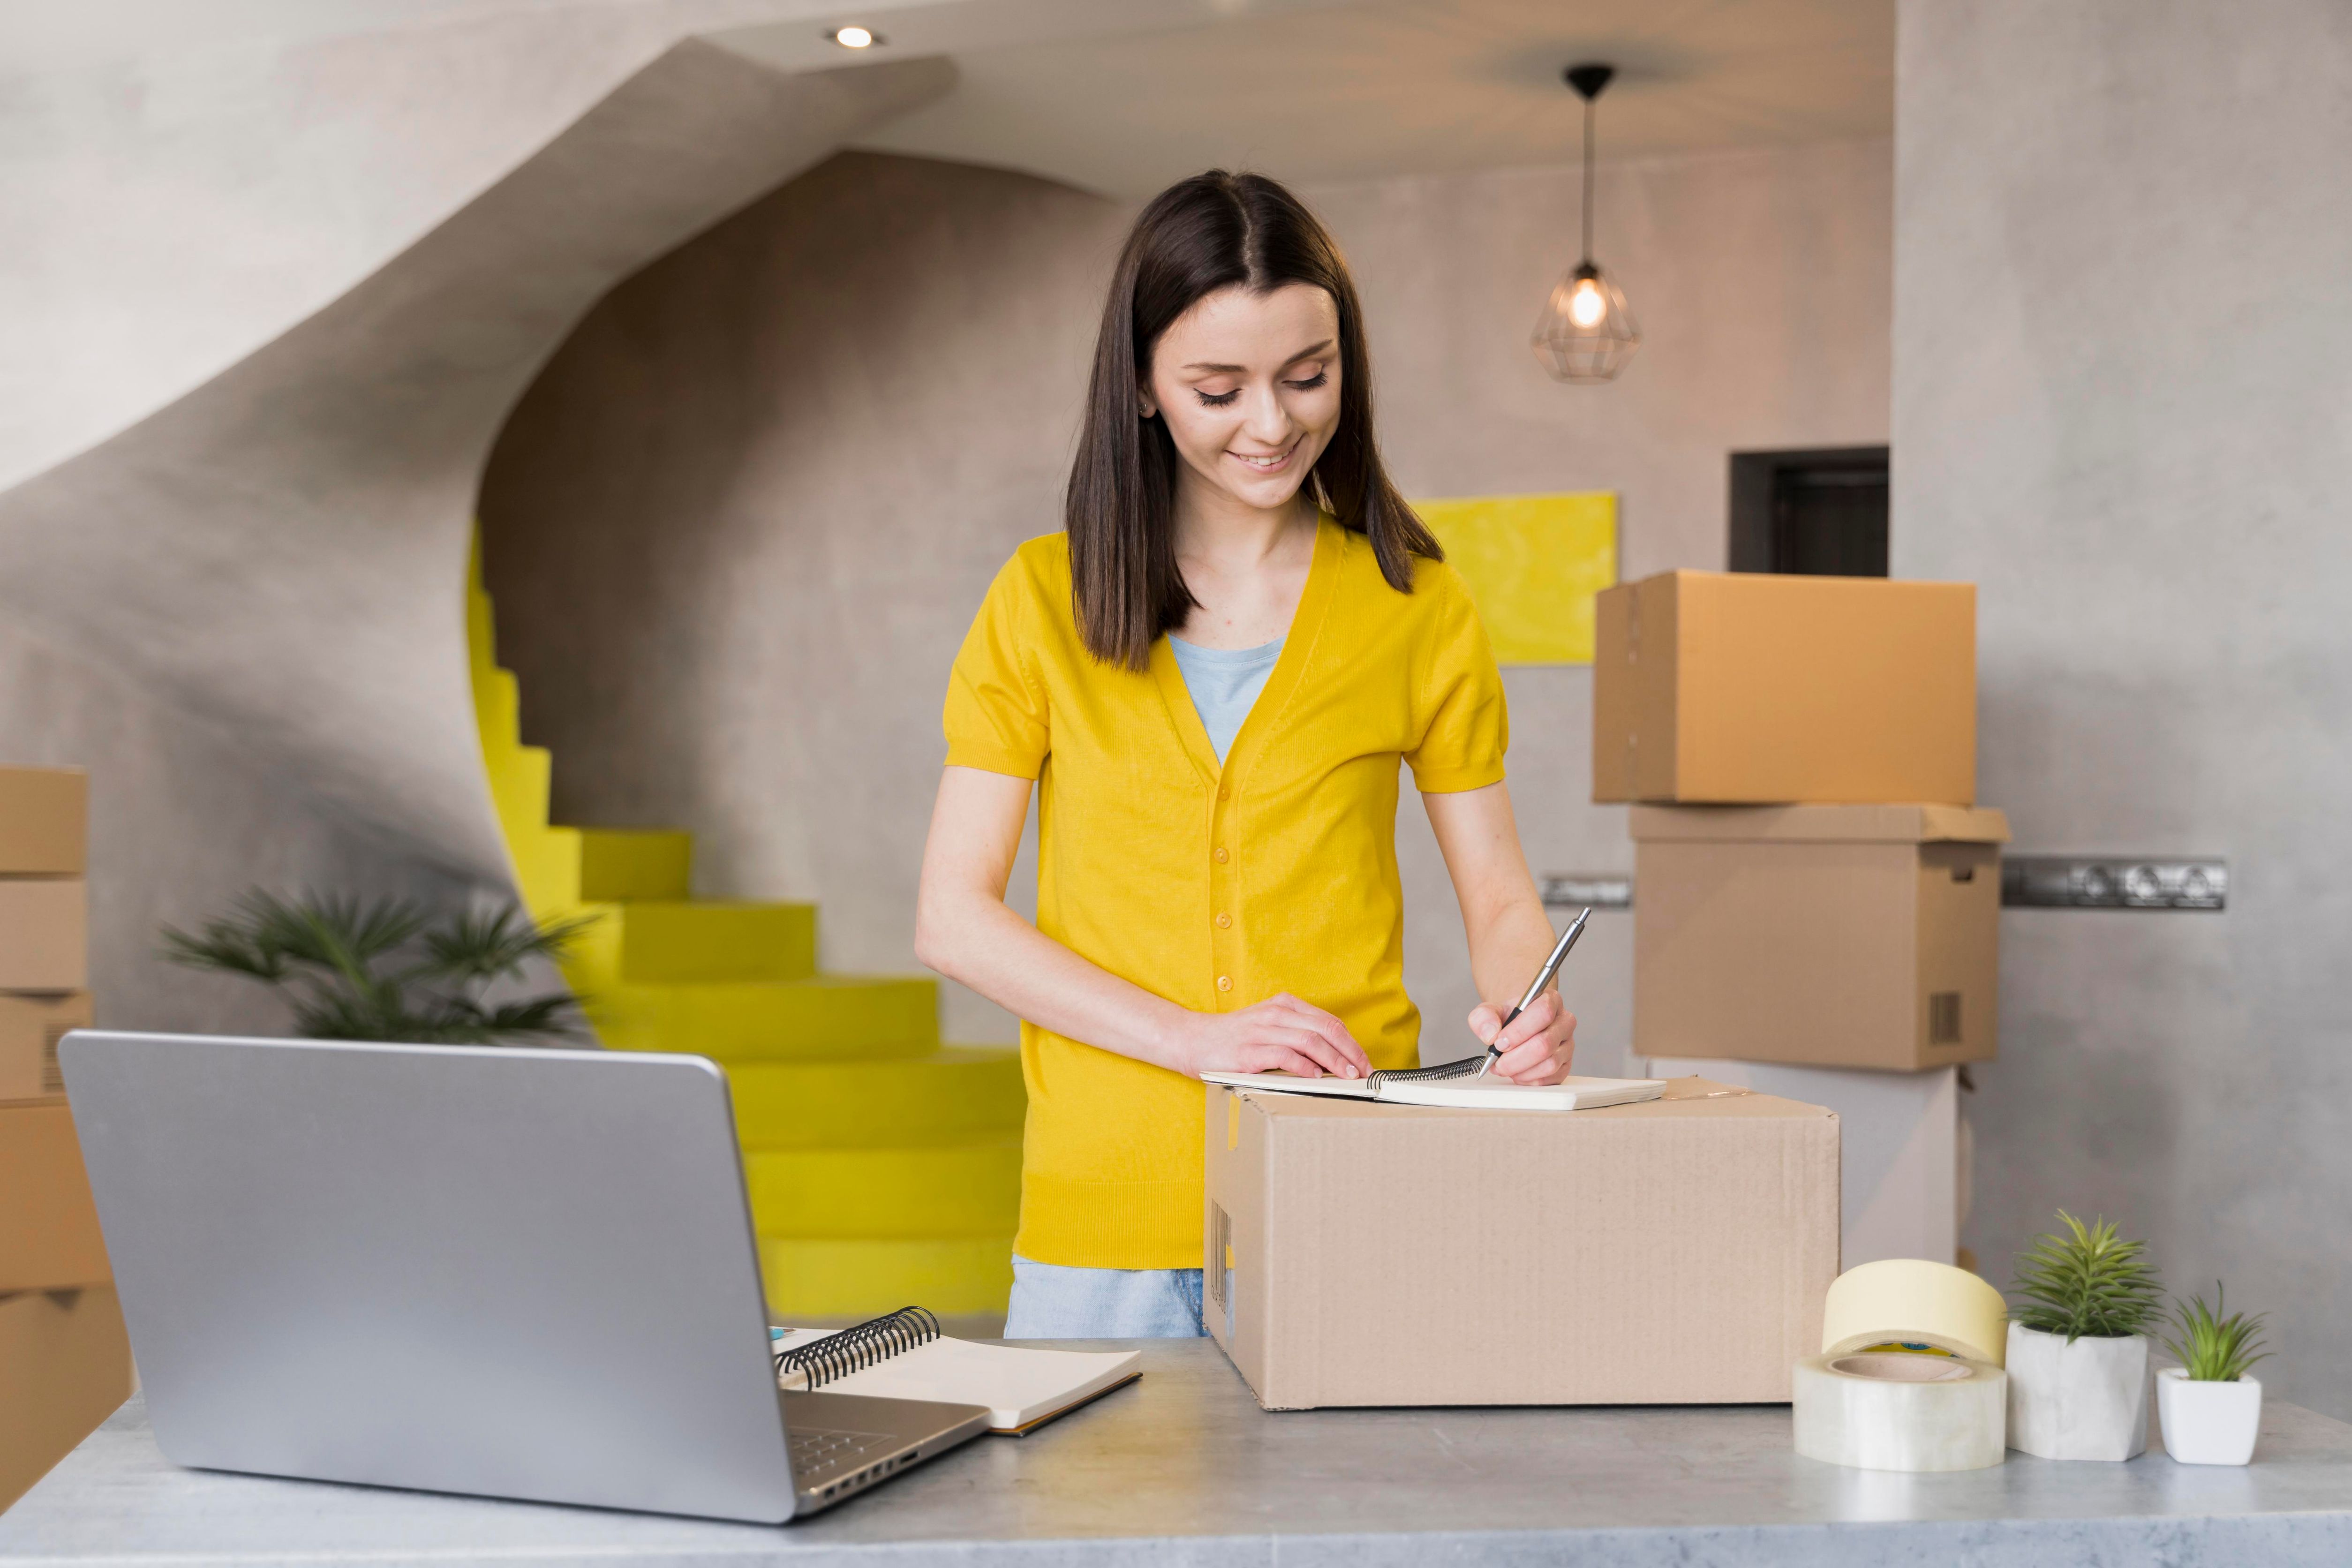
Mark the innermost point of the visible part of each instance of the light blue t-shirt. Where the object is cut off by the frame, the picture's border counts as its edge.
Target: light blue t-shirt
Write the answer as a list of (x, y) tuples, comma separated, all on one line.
[(1224, 683)]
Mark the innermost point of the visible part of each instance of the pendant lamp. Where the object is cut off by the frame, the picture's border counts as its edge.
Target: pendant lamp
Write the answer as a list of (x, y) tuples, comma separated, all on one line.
[(1586, 332)]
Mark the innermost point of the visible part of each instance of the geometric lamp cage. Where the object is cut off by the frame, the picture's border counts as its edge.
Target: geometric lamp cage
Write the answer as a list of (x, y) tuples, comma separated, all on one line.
[(1587, 331)]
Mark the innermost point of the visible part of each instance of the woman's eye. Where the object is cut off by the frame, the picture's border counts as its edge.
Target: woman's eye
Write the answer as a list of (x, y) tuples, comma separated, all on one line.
[(1312, 381), (1217, 399)]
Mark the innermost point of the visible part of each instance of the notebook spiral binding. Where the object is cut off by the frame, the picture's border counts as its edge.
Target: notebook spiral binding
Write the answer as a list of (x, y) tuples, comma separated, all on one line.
[(854, 1350), (1465, 1068)]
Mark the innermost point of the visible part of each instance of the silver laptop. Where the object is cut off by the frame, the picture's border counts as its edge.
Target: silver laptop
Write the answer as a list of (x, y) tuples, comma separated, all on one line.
[(513, 1273)]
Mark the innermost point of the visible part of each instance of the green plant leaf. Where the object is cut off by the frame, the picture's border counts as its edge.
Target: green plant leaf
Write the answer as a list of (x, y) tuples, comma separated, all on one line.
[(2213, 1348), (224, 947), (333, 960), (552, 1017), (489, 944), (2086, 1282)]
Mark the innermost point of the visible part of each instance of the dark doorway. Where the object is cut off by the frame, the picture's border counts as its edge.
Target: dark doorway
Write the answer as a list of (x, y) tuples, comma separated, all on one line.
[(1819, 514)]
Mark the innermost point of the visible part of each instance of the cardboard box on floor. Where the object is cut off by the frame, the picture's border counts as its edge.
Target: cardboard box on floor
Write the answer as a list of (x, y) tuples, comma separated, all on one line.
[(48, 1222), (30, 1028), (1848, 936), (44, 933), (65, 1366), (1667, 1253), (44, 822), (1755, 687)]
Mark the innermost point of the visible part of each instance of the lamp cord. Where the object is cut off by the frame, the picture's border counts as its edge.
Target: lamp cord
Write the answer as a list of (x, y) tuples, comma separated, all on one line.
[(1588, 180)]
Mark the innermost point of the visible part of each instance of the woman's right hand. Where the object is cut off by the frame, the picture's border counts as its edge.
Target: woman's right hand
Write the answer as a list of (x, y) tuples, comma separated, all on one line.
[(1281, 1034)]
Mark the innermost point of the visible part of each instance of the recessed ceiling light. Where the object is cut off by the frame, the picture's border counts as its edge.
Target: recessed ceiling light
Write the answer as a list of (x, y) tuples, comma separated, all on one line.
[(854, 37)]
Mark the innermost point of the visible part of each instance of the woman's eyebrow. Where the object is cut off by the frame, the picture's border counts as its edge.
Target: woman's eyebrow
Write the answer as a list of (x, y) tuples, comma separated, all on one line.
[(1308, 352)]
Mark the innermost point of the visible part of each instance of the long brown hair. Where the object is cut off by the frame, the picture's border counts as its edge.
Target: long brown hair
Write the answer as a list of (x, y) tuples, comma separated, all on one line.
[(1207, 232)]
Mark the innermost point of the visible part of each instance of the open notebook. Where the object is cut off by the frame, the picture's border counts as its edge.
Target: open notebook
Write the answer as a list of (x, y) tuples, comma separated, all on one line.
[(1455, 1084), (905, 1356)]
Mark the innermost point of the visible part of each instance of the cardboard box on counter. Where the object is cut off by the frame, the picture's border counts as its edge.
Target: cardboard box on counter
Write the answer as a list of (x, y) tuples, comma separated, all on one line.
[(1672, 1252), (44, 933), (30, 1028), (48, 1222), (1754, 687), (65, 1366), (1848, 936), (44, 822)]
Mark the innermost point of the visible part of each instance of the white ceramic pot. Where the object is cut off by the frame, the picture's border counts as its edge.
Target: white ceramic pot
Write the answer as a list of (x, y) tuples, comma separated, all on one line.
[(2087, 1400), (2208, 1422)]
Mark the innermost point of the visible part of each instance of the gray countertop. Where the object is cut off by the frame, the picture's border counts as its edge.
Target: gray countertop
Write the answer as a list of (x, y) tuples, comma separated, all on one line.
[(1183, 1469)]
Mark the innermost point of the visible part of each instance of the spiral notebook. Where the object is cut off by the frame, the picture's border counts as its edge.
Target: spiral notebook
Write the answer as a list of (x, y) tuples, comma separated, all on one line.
[(904, 1355), (1455, 1085)]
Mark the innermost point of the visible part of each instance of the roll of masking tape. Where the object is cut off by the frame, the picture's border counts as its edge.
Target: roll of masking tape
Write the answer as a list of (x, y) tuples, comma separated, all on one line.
[(1897, 1410), (1909, 1303)]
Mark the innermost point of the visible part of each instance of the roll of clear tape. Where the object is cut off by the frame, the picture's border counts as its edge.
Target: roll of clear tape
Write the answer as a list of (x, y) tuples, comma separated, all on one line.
[(1911, 1301), (1896, 1410)]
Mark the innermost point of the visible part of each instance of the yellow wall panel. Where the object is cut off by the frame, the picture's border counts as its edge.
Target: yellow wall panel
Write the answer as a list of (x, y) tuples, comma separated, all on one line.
[(1533, 564)]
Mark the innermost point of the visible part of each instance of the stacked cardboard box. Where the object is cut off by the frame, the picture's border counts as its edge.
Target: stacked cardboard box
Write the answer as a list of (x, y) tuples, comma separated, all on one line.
[(65, 1363), (44, 924), (1814, 884)]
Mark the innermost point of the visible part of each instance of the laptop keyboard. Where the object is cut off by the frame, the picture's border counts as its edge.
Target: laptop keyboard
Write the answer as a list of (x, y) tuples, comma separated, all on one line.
[(816, 1449)]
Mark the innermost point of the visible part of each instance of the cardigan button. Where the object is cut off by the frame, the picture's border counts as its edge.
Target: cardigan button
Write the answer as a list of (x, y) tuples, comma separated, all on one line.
[(1225, 794), (1222, 856), (1224, 982), (1225, 922)]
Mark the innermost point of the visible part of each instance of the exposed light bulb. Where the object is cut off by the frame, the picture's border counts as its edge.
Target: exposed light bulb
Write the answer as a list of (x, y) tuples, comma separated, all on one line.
[(854, 38), (1586, 332)]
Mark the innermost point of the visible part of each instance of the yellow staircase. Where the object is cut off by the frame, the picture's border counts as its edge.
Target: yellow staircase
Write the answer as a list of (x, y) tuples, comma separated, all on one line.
[(883, 1168)]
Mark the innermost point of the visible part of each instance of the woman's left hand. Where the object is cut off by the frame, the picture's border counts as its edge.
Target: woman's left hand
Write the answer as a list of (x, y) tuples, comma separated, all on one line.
[(1537, 1047)]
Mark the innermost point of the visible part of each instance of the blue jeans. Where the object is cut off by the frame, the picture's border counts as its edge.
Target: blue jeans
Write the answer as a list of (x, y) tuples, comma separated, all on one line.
[(1051, 1301)]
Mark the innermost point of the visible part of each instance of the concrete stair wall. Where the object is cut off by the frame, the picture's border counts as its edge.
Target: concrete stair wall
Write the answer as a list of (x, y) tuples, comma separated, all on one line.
[(883, 1168)]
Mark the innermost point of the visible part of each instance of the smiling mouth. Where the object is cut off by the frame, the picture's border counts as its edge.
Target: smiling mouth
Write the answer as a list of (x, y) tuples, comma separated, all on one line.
[(1270, 463)]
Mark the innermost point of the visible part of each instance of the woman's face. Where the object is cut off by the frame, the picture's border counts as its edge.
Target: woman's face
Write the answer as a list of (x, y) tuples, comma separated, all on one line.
[(1249, 386)]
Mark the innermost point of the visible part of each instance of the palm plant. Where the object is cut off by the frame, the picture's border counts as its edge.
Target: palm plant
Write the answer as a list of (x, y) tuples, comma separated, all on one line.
[(2086, 1283), (382, 968), (2213, 1348)]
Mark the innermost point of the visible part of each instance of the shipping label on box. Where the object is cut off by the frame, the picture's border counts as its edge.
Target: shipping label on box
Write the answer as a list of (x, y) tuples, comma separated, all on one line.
[(1672, 1252), (44, 933), (30, 1028), (1755, 687), (48, 1222), (44, 822), (1856, 936)]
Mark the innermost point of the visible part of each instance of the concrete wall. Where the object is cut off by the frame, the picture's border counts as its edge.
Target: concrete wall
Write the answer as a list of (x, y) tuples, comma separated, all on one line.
[(738, 528), (242, 609), (183, 818), (2123, 401)]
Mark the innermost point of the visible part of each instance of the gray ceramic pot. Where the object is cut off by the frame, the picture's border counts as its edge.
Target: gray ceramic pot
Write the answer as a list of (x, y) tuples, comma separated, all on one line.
[(2087, 1400)]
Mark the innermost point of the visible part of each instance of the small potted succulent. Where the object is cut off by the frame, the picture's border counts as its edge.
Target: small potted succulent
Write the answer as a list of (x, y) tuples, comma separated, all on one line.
[(2209, 1405), (2077, 1357)]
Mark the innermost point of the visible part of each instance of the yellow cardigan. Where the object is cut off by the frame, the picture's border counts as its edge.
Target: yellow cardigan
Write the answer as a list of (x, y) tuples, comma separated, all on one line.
[(1215, 887)]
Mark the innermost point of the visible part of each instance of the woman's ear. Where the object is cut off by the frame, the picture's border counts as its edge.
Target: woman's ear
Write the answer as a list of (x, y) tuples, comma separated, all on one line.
[(1144, 404)]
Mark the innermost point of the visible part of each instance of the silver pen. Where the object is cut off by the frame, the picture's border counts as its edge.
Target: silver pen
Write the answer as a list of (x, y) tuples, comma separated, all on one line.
[(1543, 978)]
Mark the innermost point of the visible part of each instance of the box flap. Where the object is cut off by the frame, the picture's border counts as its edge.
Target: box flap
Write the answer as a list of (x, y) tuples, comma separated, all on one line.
[(1684, 1097), (1923, 823)]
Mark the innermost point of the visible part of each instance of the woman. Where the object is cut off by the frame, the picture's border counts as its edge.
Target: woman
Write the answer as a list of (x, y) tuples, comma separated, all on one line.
[(1211, 675)]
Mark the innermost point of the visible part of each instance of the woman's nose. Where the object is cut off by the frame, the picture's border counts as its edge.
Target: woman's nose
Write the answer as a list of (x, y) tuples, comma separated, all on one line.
[(1268, 420)]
